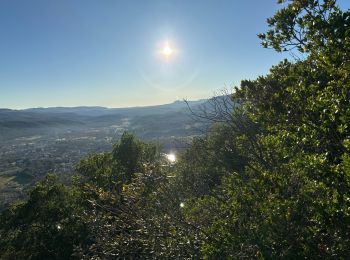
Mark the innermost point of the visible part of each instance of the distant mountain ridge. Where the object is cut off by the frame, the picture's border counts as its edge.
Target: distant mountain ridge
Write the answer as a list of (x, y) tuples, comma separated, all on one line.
[(101, 109), (17, 123)]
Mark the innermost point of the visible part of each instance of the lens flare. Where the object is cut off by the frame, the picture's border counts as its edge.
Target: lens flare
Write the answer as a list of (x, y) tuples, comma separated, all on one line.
[(171, 157)]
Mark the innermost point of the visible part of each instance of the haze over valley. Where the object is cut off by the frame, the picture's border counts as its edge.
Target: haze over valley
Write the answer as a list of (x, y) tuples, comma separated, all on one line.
[(36, 141)]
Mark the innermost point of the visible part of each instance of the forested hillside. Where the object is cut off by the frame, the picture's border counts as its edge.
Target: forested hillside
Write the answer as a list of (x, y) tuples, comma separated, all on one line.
[(269, 180)]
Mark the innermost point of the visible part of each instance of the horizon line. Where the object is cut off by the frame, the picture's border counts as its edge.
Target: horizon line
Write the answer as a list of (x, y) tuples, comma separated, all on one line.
[(105, 107)]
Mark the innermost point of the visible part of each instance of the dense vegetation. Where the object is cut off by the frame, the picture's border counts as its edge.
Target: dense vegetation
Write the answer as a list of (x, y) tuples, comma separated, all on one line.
[(271, 181)]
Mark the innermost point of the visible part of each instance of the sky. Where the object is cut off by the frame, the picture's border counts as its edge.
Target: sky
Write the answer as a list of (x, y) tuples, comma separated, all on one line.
[(111, 52)]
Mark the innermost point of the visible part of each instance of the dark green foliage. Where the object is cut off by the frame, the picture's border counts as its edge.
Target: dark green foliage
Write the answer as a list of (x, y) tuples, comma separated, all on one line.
[(48, 226), (292, 200)]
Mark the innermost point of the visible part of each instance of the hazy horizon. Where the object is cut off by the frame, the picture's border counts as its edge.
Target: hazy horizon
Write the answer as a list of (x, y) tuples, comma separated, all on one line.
[(108, 107)]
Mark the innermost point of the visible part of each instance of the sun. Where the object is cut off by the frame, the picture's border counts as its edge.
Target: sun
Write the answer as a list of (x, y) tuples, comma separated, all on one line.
[(167, 50)]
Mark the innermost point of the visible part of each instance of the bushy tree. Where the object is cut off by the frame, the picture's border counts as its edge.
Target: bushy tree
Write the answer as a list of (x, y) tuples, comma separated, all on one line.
[(47, 226), (292, 198)]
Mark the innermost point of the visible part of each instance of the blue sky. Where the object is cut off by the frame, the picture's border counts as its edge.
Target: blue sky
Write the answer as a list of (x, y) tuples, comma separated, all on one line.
[(88, 52)]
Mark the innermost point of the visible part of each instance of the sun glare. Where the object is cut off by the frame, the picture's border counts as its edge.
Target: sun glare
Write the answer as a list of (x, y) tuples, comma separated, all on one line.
[(171, 157), (167, 50)]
